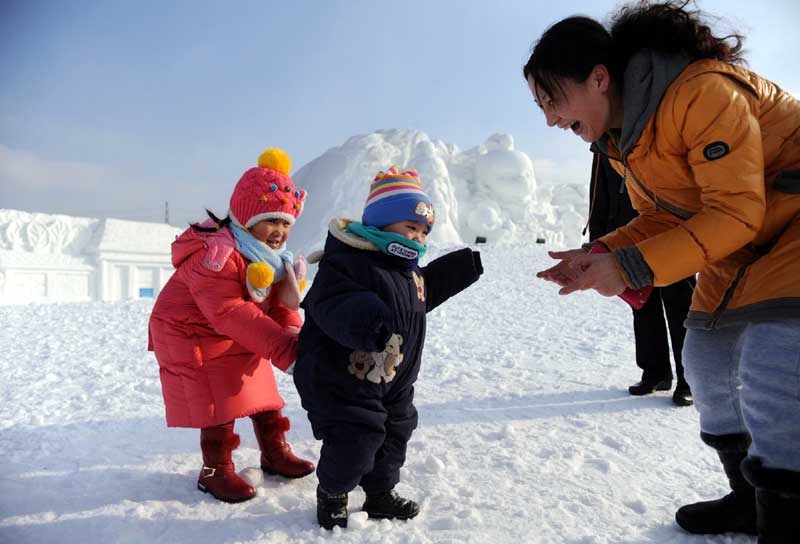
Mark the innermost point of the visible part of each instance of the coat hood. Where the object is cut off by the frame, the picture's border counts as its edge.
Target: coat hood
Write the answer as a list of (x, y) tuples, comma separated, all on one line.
[(220, 244)]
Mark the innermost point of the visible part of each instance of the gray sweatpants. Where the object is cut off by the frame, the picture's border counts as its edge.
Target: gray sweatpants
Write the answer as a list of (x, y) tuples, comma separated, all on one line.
[(746, 379)]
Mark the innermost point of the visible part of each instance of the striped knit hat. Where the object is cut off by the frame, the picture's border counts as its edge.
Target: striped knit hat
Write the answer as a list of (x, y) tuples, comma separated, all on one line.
[(397, 196)]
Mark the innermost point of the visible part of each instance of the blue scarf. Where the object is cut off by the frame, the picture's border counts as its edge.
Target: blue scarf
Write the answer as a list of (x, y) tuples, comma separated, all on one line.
[(257, 251), (390, 243)]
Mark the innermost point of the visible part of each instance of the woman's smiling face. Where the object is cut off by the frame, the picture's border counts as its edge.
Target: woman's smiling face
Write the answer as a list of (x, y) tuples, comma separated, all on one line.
[(583, 107)]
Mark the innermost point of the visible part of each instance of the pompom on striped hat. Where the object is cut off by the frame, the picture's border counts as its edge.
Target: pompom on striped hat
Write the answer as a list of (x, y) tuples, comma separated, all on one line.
[(396, 196)]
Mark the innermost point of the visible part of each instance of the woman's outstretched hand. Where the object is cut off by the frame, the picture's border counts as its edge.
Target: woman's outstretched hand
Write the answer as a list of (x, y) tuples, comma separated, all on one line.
[(579, 271), (562, 273)]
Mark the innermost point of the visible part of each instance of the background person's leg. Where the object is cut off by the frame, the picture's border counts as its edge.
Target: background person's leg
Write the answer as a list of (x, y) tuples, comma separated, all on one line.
[(652, 347), (677, 300)]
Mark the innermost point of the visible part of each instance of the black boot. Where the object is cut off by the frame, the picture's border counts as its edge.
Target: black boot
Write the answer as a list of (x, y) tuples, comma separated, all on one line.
[(647, 386), (682, 396), (736, 511), (390, 505), (331, 509), (777, 501)]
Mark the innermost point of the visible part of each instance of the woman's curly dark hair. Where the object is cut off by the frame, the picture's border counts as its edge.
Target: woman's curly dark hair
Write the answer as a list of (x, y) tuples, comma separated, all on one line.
[(570, 48), (670, 27)]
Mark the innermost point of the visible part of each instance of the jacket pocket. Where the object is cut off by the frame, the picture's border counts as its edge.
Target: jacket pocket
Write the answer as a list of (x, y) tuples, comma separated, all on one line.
[(788, 182)]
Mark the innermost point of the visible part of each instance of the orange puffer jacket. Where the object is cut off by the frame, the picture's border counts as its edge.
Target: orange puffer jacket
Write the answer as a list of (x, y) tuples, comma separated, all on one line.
[(213, 344), (715, 176)]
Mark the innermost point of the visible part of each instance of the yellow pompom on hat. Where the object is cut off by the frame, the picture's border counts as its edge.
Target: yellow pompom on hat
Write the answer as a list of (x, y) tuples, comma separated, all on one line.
[(267, 192), (275, 159)]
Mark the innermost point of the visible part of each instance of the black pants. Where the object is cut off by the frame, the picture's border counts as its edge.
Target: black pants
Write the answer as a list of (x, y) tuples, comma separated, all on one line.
[(364, 442), (652, 348)]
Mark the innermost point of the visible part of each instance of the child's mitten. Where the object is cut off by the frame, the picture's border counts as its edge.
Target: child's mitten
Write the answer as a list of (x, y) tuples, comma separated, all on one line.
[(291, 288), (300, 271)]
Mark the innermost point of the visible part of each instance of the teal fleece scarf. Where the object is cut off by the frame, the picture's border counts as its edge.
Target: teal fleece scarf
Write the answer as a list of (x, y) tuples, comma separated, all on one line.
[(389, 243)]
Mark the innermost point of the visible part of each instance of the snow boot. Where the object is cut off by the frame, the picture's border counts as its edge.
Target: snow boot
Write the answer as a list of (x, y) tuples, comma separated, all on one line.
[(390, 505), (647, 386), (218, 475), (331, 509), (276, 455), (682, 396), (777, 501), (736, 511)]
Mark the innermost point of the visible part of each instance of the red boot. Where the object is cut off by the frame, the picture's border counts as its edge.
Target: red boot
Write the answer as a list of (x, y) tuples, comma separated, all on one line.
[(218, 475), (276, 454)]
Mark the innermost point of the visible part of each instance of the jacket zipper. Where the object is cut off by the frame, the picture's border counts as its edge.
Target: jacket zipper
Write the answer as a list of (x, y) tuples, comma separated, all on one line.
[(593, 196), (658, 203), (726, 298)]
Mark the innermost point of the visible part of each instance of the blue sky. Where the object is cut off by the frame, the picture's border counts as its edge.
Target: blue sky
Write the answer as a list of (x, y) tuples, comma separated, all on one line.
[(112, 107)]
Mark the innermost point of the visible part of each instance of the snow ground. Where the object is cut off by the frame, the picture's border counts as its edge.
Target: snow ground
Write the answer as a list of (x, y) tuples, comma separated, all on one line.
[(527, 433)]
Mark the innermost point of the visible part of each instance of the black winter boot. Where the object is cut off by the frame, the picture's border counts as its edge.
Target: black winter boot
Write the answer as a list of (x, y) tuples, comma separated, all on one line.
[(647, 386), (777, 501), (682, 396), (331, 509), (736, 511), (390, 505)]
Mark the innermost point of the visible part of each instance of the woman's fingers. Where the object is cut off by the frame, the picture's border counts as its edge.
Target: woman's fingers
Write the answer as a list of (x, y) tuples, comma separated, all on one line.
[(566, 254), (598, 272), (561, 270)]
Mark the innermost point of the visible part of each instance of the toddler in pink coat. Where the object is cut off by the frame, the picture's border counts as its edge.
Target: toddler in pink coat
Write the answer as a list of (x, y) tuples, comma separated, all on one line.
[(228, 311)]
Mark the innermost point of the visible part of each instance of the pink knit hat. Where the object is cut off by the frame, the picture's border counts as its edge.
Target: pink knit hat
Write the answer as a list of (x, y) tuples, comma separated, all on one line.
[(266, 192)]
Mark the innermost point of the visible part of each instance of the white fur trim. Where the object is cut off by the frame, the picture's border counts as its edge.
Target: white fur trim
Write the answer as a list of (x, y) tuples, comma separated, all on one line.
[(337, 228), (234, 220), (315, 256), (289, 218)]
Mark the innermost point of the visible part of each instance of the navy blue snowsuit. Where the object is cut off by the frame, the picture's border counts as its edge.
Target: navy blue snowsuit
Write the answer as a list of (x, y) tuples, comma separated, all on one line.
[(358, 300)]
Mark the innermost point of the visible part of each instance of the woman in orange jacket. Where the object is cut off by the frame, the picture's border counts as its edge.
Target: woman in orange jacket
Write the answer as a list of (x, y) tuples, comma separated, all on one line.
[(710, 153)]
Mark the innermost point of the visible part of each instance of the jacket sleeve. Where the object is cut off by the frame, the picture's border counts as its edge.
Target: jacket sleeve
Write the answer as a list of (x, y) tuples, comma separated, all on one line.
[(449, 275), (220, 297), (711, 109), (346, 311), (284, 316)]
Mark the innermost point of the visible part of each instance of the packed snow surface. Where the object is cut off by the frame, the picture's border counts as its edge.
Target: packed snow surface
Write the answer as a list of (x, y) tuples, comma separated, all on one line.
[(526, 433)]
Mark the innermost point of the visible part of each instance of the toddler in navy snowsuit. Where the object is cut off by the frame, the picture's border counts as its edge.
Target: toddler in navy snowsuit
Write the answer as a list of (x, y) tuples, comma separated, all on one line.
[(360, 347)]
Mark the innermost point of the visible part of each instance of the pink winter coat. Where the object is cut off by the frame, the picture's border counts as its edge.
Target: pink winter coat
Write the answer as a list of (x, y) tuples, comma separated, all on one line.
[(213, 344)]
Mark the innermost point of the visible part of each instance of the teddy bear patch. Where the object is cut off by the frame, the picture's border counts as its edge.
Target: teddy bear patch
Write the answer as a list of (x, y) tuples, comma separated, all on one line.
[(377, 366), (360, 363), (420, 282)]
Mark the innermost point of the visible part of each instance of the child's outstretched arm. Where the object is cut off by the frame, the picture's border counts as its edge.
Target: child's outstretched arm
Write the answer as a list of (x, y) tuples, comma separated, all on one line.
[(220, 297), (450, 274), (347, 312)]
